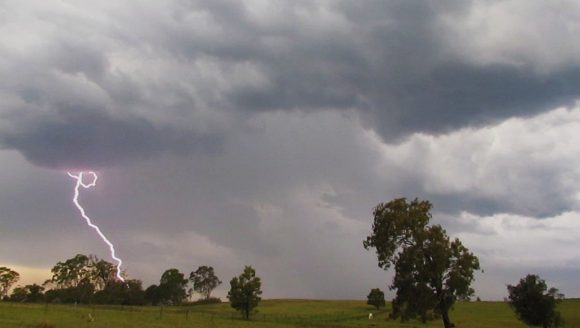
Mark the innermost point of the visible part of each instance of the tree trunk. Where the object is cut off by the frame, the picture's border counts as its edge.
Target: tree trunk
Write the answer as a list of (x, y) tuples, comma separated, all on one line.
[(446, 320)]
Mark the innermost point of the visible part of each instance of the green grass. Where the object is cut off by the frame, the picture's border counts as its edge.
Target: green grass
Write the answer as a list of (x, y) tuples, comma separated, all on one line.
[(272, 313)]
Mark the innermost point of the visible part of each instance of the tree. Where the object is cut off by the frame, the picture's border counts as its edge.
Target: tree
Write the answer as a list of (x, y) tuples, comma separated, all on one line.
[(204, 280), (533, 303), (76, 279), (129, 292), (18, 295), (71, 272), (431, 271), (152, 295), (8, 278), (101, 272), (244, 292), (172, 286), (133, 292), (34, 293), (376, 298), (171, 289), (29, 293)]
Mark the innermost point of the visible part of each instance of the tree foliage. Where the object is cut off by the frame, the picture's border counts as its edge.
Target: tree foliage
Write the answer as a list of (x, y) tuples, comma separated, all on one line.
[(102, 272), (88, 279), (8, 278), (29, 294), (533, 303), (244, 294), (81, 293), (431, 271), (71, 272), (83, 269), (18, 295), (152, 295), (204, 280), (172, 287), (376, 298), (129, 292)]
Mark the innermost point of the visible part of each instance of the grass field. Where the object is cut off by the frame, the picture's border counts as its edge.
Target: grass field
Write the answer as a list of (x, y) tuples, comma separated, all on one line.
[(272, 313)]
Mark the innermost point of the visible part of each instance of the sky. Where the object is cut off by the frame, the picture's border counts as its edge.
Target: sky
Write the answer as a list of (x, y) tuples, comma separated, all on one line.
[(263, 133)]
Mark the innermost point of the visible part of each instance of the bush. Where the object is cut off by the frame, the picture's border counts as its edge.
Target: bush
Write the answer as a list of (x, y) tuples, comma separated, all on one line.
[(205, 301), (534, 304), (376, 298)]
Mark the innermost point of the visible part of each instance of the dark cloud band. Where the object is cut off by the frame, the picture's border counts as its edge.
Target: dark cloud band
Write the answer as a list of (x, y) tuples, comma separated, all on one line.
[(159, 77)]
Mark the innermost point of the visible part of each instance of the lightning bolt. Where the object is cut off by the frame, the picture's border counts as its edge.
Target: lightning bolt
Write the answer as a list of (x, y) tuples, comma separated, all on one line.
[(80, 183)]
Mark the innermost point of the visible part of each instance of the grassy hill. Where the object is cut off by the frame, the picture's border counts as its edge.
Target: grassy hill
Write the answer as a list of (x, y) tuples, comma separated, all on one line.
[(272, 313)]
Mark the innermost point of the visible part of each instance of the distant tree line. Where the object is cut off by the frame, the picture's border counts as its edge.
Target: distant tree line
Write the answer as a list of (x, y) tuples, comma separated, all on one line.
[(89, 280)]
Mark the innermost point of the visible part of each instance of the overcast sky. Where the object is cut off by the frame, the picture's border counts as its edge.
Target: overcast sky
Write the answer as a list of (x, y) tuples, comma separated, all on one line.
[(232, 133)]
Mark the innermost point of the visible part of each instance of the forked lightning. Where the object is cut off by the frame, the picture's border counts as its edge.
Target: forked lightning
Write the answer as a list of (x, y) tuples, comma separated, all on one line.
[(80, 183)]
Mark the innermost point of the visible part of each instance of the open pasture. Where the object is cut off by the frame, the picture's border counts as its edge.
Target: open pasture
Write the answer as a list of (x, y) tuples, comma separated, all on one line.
[(272, 313)]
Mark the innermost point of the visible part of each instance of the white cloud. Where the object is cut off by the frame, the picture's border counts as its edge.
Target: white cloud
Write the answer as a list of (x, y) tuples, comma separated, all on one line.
[(512, 241), (535, 34), (524, 165), (511, 246)]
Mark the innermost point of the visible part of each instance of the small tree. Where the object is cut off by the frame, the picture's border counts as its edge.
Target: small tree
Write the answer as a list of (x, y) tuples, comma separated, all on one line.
[(172, 286), (431, 271), (18, 295), (376, 298), (244, 292), (8, 278), (204, 280), (152, 295), (29, 293), (533, 303)]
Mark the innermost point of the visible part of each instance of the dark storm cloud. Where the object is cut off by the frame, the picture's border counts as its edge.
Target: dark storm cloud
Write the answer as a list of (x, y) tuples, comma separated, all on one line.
[(391, 60), (157, 70), (455, 95), (91, 139)]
